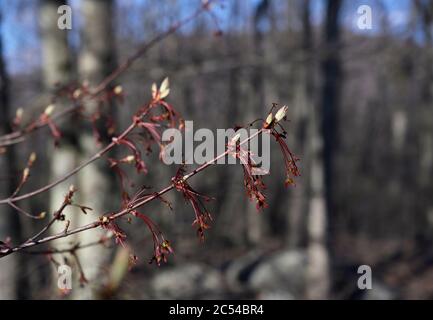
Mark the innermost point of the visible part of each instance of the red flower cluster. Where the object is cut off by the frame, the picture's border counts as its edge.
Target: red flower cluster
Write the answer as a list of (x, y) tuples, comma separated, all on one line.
[(139, 163), (148, 124), (290, 160), (253, 183), (118, 233), (161, 246), (202, 215), (160, 115), (45, 118), (114, 164)]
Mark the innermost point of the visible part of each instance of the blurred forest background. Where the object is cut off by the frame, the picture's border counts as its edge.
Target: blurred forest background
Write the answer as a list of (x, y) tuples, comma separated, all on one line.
[(361, 121)]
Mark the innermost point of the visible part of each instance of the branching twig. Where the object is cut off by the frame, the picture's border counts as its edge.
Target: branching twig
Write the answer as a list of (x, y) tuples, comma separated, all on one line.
[(73, 248), (20, 136), (70, 173), (108, 218), (166, 117)]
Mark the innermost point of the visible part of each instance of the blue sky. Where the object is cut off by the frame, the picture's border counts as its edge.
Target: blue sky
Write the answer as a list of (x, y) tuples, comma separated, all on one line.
[(21, 41)]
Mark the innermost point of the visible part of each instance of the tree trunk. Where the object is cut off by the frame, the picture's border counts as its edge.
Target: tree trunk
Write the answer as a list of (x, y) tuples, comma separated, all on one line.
[(228, 195), (57, 71), (254, 219), (13, 285), (96, 183), (424, 226), (296, 235), (57, 62), (320, 220)]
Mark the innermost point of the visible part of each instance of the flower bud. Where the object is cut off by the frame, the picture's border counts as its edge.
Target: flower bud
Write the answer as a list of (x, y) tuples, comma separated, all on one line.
[(268, 121), (77, 93), (19, 113), (32, 158), (269, 118), (281, 113), (18, 117), (235, 138), (164, 89), (130, 159), (104, 220), (118, 90), (49, 109), (26, 174)]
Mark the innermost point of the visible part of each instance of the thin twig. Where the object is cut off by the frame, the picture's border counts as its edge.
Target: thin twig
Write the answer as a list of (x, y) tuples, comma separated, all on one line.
[(70, 173), (75, 247), (19, 136), (56, 217), (23, 211)]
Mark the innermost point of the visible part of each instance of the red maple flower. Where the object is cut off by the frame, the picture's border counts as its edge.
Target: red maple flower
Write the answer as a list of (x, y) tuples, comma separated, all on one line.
[(115, 165), (118, 233), (45, 118), (253, 183), (290, 159), (139, 163), (202, 215), (161, 246), (169, 114)]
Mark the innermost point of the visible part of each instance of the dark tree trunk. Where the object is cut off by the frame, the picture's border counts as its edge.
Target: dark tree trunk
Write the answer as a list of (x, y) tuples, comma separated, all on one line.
[(254, 226), (298, 210), (324, 137), (12, 282), (332, 79), (331, 71)]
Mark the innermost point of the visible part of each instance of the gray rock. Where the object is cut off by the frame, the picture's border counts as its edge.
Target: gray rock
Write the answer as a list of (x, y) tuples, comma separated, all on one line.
[(282, 272), (239, 271), (190, 281), (379, 291), (275, 295), (280, 275)]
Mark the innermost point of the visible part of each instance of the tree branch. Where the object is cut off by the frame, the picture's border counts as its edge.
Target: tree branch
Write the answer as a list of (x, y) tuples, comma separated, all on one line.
[(103, 220)]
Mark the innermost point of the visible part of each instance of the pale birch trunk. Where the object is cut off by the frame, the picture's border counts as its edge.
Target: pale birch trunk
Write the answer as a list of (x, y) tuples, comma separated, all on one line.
[(318, 283), (96, 61), (57, 71)]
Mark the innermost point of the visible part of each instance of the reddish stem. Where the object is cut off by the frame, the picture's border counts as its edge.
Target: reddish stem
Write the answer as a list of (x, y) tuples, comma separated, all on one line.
[(124, 212)]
